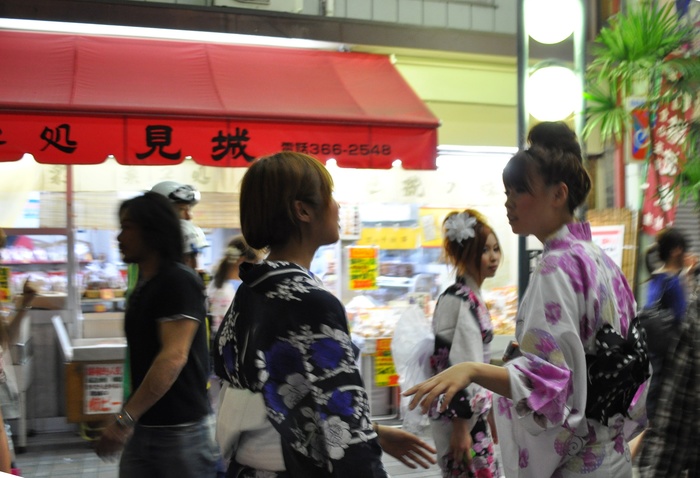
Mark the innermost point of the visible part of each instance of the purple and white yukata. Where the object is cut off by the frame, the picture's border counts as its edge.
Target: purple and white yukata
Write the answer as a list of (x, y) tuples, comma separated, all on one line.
[(543, 430)]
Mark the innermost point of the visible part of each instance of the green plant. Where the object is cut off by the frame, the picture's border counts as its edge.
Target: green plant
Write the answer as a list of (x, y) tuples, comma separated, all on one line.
[(631, 54), (644, 52)]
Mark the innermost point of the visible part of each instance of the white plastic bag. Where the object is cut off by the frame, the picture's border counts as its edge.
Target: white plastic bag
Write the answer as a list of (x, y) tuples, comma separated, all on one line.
[(411, 347)]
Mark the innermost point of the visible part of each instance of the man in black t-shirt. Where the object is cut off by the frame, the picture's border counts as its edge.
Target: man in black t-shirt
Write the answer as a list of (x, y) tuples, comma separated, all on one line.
[(163, 428)]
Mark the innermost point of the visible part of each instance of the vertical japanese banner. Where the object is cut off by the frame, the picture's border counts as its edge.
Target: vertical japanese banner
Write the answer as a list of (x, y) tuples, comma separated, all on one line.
[(660, 198), (5, 275), (384, 371), (668, 132), (363, 267), (103, 388)]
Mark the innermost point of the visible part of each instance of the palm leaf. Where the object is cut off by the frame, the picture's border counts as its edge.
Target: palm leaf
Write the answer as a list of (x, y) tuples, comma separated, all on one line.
[(604, 113), (637, 46)]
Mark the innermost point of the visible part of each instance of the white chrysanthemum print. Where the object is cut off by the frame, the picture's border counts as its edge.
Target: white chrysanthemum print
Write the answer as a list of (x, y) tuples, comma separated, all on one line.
[(337, 436), (261, 365), (294, 390)]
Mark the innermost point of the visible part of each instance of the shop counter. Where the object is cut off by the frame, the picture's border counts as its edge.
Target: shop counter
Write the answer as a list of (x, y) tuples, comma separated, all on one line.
[(93, 375)]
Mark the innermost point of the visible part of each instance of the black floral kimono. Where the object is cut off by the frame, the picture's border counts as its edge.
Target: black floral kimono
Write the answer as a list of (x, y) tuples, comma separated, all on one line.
[(287, 337)]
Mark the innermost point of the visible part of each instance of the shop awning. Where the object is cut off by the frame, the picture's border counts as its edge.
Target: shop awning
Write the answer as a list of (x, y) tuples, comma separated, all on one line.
[(77, 99)]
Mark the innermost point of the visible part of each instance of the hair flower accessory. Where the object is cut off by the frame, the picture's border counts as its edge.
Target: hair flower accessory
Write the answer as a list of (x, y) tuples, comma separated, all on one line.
[(460, 227), (233, 254)]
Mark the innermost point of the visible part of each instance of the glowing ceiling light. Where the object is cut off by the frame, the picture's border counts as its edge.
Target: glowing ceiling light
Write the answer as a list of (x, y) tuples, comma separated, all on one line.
[(551, 21), (553, 93)]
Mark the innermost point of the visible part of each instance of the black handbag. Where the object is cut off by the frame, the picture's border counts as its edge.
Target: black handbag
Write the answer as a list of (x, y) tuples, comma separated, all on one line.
[(659, 322)]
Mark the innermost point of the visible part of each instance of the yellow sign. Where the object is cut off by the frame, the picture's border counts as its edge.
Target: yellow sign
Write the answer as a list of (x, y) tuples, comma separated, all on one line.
[(431, 219), (390, 237), (384, 371), (363, 267), (5, 275)]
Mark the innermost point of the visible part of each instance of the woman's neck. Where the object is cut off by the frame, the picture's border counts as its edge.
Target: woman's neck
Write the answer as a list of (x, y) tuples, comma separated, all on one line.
[(554, 226), (296, 253), (473, 278)]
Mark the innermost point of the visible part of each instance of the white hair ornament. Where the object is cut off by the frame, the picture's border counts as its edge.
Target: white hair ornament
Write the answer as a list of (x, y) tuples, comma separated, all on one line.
[(460, 227), (233, 254)]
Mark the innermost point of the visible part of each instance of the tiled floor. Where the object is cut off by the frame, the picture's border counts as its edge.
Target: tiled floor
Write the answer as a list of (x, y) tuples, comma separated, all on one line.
[(69, 455), (66, 455), (62, 455)]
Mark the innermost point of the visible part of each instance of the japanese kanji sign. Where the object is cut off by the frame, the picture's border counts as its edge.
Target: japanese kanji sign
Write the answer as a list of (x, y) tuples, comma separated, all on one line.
[(210, 142), (103, 388)]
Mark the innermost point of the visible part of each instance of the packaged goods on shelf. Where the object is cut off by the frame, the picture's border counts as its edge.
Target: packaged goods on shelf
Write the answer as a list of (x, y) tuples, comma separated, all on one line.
[(368, 320), (502, 303)]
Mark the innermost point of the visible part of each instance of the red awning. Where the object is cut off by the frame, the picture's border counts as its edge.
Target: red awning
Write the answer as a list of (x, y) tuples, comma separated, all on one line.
[(75, 99)]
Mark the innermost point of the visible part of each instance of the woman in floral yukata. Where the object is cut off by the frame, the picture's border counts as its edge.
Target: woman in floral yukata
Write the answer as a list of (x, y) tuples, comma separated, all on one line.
[(463, 333), (544, 425), (286, 337)]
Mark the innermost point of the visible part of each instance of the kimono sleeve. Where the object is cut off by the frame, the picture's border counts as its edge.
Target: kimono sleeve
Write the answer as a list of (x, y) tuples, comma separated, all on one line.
[(319, 404), (468, 346), (548, 383)]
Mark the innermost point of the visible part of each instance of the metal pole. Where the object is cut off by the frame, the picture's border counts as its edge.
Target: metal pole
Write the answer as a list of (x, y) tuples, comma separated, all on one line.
[(580, 70), (71, 264), (580, 67), (523, 64)]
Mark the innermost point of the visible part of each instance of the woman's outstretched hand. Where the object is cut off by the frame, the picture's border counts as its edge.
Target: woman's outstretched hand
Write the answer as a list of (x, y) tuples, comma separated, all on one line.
[(449, 382), (406, 447)]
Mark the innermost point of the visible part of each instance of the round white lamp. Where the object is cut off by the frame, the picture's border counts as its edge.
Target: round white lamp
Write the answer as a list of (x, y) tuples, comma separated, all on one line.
[(551, 21), (553, 93)]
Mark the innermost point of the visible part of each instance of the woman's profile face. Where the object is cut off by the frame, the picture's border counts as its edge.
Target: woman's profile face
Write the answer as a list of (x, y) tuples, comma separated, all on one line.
[(490, 257), (330, 223), (526, 210)]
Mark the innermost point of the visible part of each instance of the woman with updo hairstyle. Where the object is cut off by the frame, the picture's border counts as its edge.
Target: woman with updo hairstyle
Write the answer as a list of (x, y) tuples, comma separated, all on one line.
[(574, 395), (463, 333), (226, 279)]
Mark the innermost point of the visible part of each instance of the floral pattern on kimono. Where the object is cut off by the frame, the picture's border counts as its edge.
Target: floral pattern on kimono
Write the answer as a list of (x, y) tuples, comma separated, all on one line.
[(574, 290), (463, 332), (287, 337)]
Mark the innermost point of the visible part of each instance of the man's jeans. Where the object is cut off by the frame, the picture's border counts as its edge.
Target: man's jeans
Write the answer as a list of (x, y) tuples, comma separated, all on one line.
[(183, 451)]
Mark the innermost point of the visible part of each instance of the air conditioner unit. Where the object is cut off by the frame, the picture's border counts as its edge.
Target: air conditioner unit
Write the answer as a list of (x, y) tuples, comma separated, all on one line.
[(289, 6)]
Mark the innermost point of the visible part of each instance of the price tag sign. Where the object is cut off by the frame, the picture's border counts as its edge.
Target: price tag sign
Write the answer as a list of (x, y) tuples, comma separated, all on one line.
[(363, 267), (384, 370), (5, 275)]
